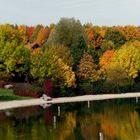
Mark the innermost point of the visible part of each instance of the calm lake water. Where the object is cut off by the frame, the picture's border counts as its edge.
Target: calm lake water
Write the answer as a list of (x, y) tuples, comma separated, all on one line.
[(77, 121)]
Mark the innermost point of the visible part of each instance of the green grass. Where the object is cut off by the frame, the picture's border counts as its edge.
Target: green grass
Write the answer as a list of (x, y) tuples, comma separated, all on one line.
[(7, 95)]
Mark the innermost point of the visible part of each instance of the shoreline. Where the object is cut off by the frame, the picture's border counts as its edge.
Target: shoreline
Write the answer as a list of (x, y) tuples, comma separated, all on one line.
[(33, 102)]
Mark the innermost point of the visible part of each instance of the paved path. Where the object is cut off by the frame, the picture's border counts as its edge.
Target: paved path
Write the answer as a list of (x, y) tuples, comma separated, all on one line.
[(32, 102)]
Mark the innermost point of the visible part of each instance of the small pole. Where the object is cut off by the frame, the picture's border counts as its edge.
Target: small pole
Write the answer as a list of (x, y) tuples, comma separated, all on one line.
[(88, 104), (54, 121), (59, 111), (137, 99), (101, 136)]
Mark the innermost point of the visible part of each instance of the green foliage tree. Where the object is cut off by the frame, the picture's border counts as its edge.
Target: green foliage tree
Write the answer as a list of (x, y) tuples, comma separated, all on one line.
[(38, 67), (70, 33), (77, 49), (95, 54), (107, 45), (14, 58), (115, 36), (115, 78), (51, 65), (66, 30)]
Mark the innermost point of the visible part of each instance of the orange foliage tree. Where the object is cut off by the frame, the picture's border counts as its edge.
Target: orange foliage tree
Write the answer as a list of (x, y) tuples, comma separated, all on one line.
[(43, 35), (87, 68), (106, 59), (130, 32), (95, 37)]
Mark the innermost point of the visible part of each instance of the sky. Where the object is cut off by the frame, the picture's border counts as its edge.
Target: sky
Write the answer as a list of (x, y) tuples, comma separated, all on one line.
[(45, 12)]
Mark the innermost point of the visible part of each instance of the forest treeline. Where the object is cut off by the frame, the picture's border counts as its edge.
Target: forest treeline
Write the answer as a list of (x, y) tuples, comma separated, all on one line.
[(87, 58)]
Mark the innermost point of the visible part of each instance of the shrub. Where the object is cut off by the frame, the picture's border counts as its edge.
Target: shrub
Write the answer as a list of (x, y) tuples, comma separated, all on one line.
[(86, 87), (25, 89)]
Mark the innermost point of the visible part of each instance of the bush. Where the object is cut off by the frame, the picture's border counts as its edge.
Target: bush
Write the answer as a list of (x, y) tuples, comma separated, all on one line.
[(48, 87), (86, 87), (25, 89)]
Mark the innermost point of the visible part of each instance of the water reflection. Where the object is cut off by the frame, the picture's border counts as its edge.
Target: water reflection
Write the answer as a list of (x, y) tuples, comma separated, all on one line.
[(75, 122)]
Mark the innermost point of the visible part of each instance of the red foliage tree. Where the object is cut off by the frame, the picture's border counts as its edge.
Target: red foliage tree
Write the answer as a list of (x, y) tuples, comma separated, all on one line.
[(30, 31), (48, 87)]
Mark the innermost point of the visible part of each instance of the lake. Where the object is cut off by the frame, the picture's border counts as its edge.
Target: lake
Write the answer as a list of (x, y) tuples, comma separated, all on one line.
[(113, 120)]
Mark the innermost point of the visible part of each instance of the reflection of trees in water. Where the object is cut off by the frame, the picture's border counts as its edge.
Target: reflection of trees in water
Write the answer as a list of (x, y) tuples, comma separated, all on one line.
[(24, 123), (65, 128), (116, 123), (120, 123), (48, 116), (34, 124)]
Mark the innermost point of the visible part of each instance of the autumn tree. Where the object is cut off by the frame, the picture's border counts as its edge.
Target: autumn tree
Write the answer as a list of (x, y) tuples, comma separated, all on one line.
[(43, 36), (23, 36), (30, 31), (130, 32), (60, 73), (87, 68), (60, 51), (128, 58), (8, 33), (59, 62), (51, 65), (106, 59), (94, 36), (35, 33)]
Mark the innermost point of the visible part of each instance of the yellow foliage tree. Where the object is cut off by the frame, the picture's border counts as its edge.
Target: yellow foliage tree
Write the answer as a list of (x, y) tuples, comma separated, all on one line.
[(128, 58), (60, 72), (22, 30)]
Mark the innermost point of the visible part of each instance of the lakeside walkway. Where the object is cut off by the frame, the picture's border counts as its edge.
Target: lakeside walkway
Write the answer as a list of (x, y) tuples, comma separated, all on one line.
[(33, 102)]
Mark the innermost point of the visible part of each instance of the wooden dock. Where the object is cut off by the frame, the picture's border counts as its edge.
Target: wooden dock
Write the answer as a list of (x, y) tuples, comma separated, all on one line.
[(33, 102)]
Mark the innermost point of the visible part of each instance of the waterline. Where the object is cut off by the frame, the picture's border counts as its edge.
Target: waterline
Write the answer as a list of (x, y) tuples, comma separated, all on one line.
[(33, 102)]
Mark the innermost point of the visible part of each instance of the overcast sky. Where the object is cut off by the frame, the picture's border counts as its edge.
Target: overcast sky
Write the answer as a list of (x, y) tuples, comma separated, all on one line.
[(98, 12)]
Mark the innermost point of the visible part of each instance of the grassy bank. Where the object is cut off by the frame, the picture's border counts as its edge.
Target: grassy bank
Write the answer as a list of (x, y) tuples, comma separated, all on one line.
[(7, 95)]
